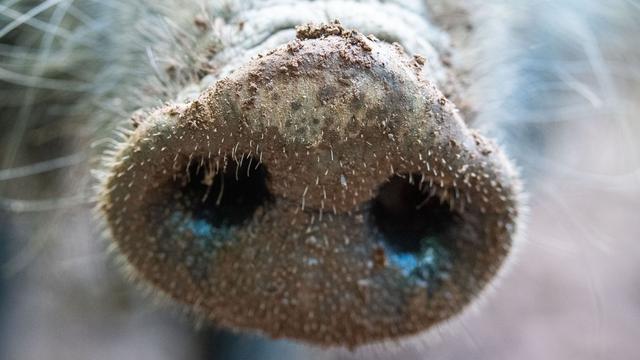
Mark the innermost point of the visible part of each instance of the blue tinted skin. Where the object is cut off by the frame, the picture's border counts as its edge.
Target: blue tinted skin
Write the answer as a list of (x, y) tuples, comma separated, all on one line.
[(199, 228), (405, 262), (429, 265), (207, 236)]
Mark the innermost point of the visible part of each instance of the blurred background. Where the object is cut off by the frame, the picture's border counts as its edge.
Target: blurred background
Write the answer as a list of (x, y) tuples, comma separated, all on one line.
[(569, 119)]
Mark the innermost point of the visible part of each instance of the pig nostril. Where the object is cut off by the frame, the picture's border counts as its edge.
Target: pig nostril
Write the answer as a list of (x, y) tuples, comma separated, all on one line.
[(405, 214), (415, 227), (227, 197), (208, 204)]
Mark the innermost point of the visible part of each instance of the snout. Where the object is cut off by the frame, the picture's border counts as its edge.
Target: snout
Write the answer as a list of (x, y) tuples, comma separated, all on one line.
[(326, 191)]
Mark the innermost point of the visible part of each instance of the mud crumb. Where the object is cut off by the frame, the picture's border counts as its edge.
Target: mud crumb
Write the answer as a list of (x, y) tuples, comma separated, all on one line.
[(361, 41), (421, 60), (311, 31), (484, 146), (398, 47), (294, 46)]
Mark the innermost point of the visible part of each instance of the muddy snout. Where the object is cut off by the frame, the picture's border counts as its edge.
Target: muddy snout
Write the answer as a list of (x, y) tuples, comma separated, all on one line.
[(326, 191)]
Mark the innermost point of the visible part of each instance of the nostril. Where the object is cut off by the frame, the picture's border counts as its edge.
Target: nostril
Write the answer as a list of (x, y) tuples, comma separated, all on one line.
[(414, 227), (226, 197), (206, 201), (406, 213)]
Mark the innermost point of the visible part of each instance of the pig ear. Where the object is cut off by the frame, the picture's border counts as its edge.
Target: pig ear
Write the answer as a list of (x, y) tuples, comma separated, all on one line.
[(333, 128)]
